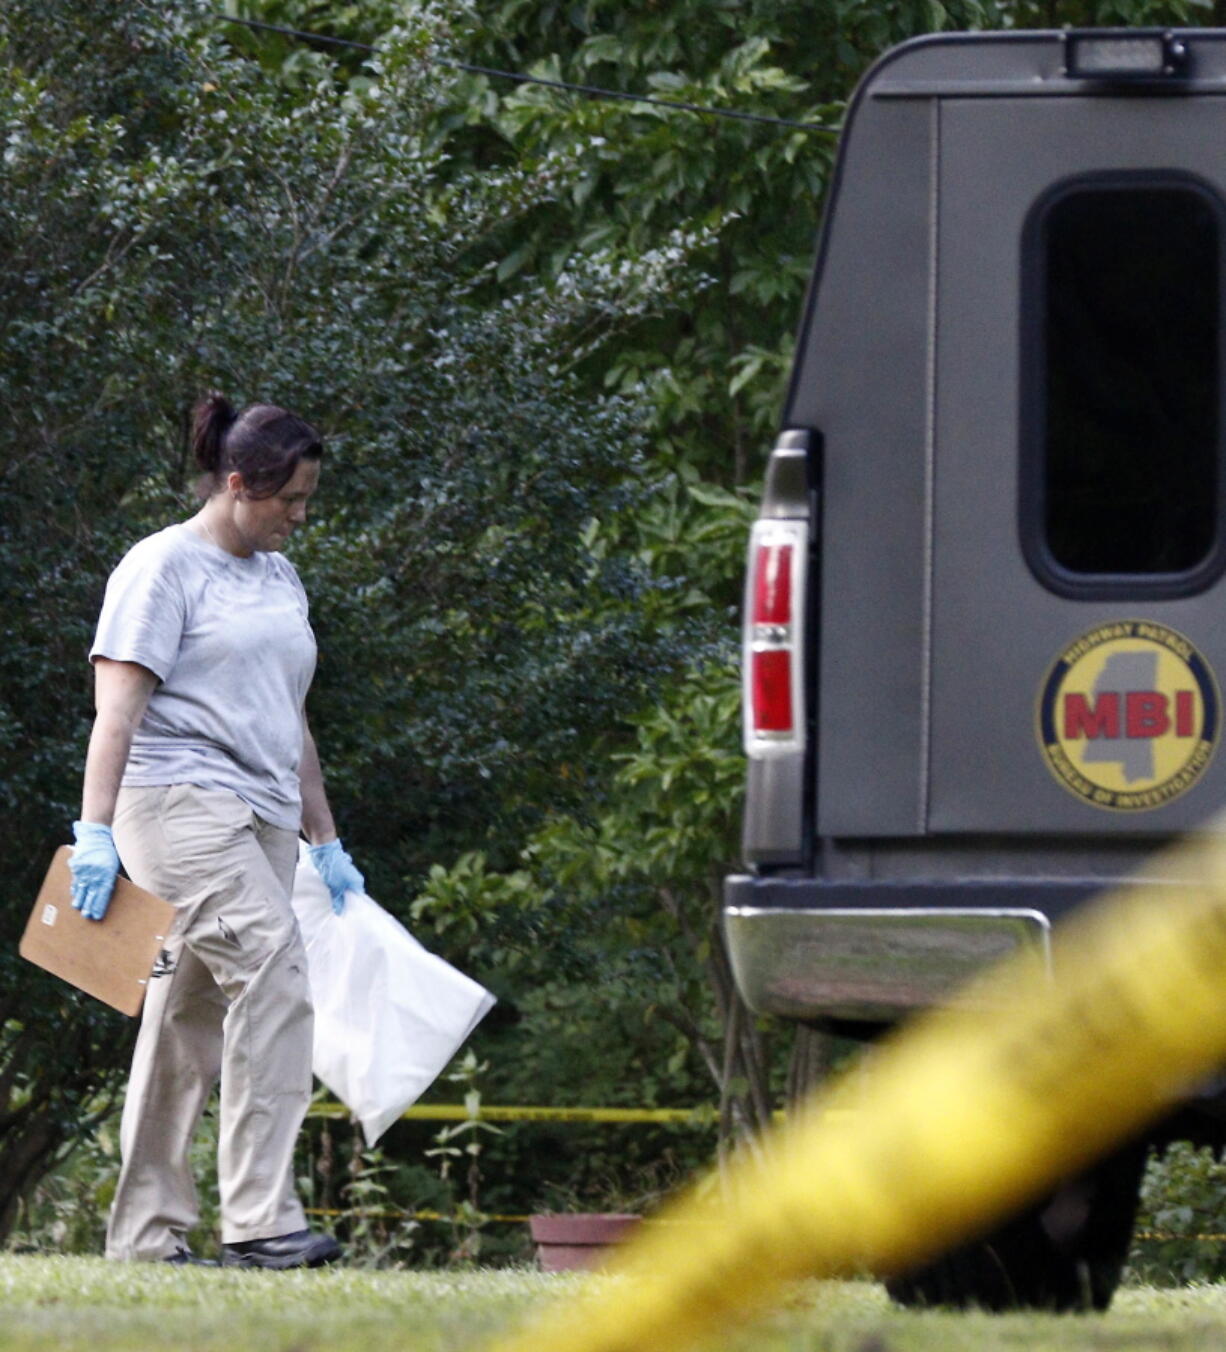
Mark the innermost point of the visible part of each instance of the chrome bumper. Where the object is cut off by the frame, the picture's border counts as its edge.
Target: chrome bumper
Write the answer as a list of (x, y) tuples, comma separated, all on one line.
[(870, 965)]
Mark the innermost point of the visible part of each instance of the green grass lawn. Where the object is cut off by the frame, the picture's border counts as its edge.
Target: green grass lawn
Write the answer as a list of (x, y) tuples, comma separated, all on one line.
[(86, 1303)]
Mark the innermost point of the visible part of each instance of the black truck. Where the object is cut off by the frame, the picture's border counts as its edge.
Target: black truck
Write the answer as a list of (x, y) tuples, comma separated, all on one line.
[(985, 610)]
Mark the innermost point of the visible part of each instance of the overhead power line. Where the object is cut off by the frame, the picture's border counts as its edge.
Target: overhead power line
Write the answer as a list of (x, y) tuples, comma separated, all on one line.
[(591, 91)]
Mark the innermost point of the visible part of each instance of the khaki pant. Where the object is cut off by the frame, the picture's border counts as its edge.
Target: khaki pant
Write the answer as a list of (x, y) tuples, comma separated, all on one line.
[(235, 1005)]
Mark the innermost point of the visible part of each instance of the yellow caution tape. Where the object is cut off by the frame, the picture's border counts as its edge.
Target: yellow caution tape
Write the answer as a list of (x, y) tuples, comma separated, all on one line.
[(493, 1218), (703, 1116), (383, 1214), (453, 1112), (961, 1118)]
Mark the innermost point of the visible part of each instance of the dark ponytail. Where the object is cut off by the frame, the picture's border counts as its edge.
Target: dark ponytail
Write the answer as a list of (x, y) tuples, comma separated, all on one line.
[(212, 418), (263, 443)]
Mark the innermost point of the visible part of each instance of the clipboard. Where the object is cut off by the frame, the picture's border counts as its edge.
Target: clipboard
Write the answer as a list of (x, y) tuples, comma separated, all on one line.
[(110, 959)]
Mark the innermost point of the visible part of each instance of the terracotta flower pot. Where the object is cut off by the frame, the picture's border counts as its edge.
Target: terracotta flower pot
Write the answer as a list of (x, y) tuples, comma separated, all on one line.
[(580, 1240)]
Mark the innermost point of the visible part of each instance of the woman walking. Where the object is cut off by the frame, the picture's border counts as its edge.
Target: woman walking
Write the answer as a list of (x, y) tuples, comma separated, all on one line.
[(201, 773)]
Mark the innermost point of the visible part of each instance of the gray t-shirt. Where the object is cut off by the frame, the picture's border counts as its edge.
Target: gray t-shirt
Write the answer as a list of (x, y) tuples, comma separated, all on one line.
[(231, 645)]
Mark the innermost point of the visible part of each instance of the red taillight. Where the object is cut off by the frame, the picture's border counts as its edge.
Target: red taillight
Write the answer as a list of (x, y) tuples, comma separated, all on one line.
[(772, 602), (774, 638), (772, 690)]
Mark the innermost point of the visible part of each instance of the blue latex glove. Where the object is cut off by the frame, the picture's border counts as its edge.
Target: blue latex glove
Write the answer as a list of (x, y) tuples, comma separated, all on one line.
[(94, 866), (337, 870)]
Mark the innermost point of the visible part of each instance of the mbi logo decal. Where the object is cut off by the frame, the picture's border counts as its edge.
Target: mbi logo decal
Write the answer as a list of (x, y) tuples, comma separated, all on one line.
[(1128, 716)]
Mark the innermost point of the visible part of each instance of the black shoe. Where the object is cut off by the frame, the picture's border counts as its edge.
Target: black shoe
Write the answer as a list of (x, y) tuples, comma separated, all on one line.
[(184, 1257), (301, 1249)]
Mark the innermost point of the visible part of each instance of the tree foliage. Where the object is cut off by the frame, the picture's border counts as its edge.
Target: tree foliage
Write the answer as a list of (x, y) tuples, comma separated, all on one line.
[(175, 220), (714, 364)]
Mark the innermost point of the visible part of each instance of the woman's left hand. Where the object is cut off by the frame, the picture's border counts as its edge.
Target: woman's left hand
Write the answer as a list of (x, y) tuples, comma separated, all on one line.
[(338, 871)]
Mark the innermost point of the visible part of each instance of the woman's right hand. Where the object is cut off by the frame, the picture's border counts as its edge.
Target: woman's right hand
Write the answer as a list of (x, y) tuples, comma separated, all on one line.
[(94, 865), (121, 692)]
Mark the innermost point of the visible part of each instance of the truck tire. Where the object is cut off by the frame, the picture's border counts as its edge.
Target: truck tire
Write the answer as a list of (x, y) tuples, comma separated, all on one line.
[(1065, 1253)]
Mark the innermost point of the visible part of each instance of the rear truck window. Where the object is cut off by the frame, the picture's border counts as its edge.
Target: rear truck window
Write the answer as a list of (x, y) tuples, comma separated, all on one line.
[(1121, 366)]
